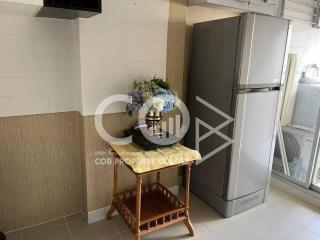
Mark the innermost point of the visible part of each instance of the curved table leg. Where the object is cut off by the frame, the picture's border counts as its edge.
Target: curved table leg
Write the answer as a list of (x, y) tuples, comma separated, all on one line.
[(138, 207), (137, 237), (188, 224), (115, 189), (110, 212)]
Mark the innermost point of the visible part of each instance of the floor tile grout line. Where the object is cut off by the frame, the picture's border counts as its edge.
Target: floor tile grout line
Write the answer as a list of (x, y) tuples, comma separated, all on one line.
[(122, 232), (216, 235), (226, 221), (306, 218), (117, 230), (121, 237), (112, 235), (209, 231), (257, 232), (43, 223), (293, 227), (40, 230), (103, 238), (69, 231)]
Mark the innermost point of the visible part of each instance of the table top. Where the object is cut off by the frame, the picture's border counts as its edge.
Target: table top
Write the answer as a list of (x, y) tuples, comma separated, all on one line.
[(142, 161)]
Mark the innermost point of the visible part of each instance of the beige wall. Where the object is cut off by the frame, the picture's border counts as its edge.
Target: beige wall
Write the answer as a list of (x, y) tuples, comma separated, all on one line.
[(40, 171)]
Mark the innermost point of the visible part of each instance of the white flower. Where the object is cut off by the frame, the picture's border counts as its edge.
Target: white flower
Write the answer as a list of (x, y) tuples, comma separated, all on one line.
[(158, 103)]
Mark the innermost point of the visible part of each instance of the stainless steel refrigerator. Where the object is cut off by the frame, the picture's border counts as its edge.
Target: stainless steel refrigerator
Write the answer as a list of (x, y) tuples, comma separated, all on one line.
[(234, 97)]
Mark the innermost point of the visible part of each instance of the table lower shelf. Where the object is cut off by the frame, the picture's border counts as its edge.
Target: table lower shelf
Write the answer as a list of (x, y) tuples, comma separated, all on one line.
[(159, 208)]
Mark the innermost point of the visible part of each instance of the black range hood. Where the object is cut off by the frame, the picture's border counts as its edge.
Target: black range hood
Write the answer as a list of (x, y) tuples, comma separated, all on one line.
[(69, 9)]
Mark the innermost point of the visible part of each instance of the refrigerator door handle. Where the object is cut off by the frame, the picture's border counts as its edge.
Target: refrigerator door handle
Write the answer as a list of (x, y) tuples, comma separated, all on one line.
[(256, 90)]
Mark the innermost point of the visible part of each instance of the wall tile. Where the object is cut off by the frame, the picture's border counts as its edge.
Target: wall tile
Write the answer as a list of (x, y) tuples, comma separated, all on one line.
[(13, 106), (154, 11), (150, 51), (36, 54), (145, 69)]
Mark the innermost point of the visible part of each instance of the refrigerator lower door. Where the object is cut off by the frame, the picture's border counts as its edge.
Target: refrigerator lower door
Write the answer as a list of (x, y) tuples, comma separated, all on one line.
[(254, 136)]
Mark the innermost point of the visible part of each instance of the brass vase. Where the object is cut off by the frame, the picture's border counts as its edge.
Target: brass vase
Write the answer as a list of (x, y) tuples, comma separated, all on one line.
[(152, 119)]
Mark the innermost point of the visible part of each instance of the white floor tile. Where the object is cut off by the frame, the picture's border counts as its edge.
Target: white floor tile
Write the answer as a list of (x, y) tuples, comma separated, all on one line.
[(236, 230), (207, 236), (273, 219), (308, 230)]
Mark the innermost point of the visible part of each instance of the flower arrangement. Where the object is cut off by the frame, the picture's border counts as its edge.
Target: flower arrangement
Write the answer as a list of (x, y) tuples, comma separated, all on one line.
[(158, 91)]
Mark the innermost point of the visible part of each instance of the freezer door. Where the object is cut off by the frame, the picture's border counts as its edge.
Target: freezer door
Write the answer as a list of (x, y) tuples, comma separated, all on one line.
[(254, 136), (264, 45)]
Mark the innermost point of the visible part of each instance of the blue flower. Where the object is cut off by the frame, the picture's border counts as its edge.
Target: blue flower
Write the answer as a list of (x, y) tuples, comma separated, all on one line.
[(145, 90), (167, 96)]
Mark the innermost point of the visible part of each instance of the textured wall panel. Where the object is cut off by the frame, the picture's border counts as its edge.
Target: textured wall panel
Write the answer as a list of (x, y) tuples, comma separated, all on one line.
[(176, 46), (40, 171)]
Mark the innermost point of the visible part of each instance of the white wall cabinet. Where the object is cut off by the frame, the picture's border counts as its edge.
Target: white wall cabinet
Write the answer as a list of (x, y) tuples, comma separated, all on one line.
[(237, 4), (269, 7), (301, 10)]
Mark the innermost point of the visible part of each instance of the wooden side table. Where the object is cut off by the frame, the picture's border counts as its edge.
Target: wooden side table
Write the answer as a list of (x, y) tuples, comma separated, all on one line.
[(151, 207)]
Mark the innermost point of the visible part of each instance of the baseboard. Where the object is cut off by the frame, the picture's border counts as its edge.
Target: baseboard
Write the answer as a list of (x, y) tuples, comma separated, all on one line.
[(306, 195), (100, 214)]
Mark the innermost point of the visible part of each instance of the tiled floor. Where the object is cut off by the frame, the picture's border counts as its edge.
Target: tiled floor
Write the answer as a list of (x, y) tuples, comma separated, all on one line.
[(283, 217)]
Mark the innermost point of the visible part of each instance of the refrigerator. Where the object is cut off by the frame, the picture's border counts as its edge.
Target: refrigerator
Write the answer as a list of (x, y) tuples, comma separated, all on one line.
[(235, 88)]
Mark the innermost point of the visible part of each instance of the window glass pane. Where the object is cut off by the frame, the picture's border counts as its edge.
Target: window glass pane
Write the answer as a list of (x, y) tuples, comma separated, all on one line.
[(299, 118)]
